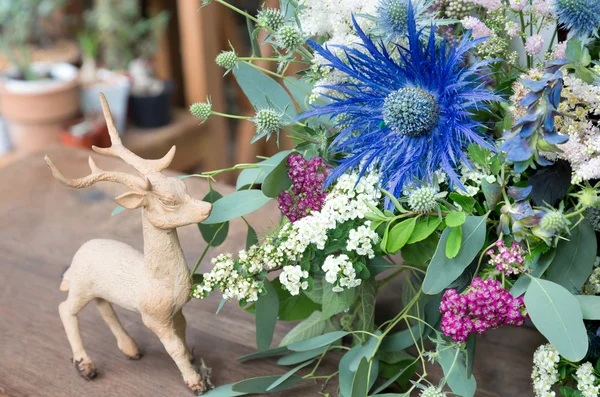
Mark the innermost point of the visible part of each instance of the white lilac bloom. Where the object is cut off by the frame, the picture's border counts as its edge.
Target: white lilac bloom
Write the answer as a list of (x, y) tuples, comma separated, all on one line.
[(545, 371), (586, 379), (340, 272)]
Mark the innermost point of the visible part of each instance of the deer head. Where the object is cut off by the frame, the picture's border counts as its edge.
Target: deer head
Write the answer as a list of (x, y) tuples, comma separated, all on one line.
[(164, 199)]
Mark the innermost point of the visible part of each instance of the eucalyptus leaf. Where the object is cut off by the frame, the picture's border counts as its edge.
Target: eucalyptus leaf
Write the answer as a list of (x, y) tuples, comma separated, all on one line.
[(336, 302), (299, 357), (277, 180), (261, 384), (556, 313), (235, 205), (224, 391), (278, 351), (454, 366), (251, 237), (492, 193), (401, 340), (346, 376), (575, 257), (443, 271), (317, 341), (379, 265), (314, 325), (288, 374), (255, 176), (360, 387), (300, 90), (590, 306), (538, 267), (267, 307)]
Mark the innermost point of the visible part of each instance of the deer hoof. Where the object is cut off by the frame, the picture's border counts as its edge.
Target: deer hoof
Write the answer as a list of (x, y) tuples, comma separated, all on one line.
[(136, 357), (86, 368), (205, 373), (198, 387)]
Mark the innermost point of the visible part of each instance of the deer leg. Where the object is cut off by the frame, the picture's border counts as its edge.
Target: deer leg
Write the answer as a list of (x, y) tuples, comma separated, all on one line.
[(180, 325), (68, 311), (125, 342), (164, 328)]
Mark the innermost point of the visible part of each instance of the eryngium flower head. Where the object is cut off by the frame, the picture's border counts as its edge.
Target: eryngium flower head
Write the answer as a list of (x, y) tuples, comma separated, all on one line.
[(270, 18), (227, 59), (581, 17), (289, 38), (423, 199), (554, 221), (202, 110), (393, 16), (408, 117), (268, 121)]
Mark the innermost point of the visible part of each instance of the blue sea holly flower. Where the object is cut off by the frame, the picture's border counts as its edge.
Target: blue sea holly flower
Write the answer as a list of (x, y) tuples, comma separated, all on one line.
[(581, 17), (408, 116), (392, 19)]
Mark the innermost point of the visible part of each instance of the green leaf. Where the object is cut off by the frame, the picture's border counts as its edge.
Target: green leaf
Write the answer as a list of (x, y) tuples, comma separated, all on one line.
[(255, 176), (400, 234), (300, 90), (346, 376), (367, 351), (316, 293), (424, 229), (216, 232), (466, 202), (492, 193), (389, 382), (221, 304), (454, 218), (261, 384), (556, 313), (317, 341), (479, 154), (277, 180), (590, 306), (314, 325), (360, 387), (117, 210), (453, 363), (538, 267), (251, 237), (223, 391), (366, 307), (253, 38), (443, 271), (384, 240), (300, 357), (574, 259), (235, 205), (421, 252), (293, 307), (278, 351), (401, 340), (336, 302), (379, 265), (470, 359), (258, 87), (454, 241), (288, 374), (267, 307)]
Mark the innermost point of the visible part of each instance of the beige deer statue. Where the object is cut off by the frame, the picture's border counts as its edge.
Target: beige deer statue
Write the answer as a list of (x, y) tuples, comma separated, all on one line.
[(156, 283)]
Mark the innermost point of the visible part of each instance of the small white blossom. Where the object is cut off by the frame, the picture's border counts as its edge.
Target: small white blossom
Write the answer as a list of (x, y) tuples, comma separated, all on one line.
[(545, 371), (340, 272), (586, 379), (361, 240), (293, 278)]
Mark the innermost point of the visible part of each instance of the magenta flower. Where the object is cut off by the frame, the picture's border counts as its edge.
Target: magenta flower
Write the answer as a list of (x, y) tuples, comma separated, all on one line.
[(306, 193), (507, 260)]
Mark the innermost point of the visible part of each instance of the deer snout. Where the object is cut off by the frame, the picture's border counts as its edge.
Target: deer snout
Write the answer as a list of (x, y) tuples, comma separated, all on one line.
[(201, 210)]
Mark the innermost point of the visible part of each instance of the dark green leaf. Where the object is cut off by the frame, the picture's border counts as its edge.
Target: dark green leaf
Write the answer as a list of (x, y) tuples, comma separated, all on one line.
[(379, 265), (454, 241), (267, 307), (255, 176), (293, 307), (277, 180), (556, 313), (336, 302), (235, 205), (443, 271), (366, 309), (492, 193), (420, 253), (399, 234), (574, 259), (216, 232), (466, 202), (471, 343), (424, 229)]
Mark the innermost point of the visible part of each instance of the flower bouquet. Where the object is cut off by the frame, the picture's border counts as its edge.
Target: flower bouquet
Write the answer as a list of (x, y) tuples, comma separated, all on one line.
[(448, 147)]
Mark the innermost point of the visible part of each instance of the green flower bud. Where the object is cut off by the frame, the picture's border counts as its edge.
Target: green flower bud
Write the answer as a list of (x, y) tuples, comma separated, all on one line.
[(267, 120), (423, 199), (289, 38), (554, 221), (227, 59), (202, 110), (269, 18)]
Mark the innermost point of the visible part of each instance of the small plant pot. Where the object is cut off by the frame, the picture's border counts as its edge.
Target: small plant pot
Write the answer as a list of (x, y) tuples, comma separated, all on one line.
[(36, 110), (115, 88), (151, 111), (84, 134)]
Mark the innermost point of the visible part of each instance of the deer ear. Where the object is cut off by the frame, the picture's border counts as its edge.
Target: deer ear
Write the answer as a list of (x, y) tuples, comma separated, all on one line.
[(131, 200)]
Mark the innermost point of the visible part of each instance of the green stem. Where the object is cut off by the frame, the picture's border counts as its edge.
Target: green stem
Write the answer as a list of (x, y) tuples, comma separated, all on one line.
[(234, 8), (230, 116), (206, 249)]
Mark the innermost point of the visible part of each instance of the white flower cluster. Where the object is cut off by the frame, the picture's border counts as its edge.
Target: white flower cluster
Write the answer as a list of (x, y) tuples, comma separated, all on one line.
[(592, 285), (545, 372), (586, 379), (293, 278), (581, 104), (348, 200), (231, 282), (340, 272), (361, 240)]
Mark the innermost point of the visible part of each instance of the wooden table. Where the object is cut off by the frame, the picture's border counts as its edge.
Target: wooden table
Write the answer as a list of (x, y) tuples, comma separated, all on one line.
[(43, 223)]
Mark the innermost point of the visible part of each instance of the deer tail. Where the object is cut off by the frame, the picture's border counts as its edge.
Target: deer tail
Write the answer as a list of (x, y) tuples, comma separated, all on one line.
[(64, 284)]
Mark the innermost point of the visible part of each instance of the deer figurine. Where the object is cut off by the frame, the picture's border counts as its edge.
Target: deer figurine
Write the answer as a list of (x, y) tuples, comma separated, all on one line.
[(155, 283)]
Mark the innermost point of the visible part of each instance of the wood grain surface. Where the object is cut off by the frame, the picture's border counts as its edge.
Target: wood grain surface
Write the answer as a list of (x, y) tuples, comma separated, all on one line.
[(43, 223)]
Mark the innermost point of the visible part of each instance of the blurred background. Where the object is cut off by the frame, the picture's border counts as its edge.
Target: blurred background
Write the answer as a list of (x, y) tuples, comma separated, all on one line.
[(151, 58)]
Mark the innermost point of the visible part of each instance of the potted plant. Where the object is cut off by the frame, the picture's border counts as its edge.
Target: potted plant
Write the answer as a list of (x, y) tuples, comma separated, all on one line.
[(35, 98), (117, 34), (85, 133)]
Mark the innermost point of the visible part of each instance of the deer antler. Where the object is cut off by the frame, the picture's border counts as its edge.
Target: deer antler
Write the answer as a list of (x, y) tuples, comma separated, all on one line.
[(99, 175), (118, 150)]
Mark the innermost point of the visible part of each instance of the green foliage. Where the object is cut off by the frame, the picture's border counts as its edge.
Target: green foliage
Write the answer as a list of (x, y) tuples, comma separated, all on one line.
[(236, 204), (454, 364), (313, 326), (424, 228), (298, 357), (454, 242), (442, 271), (538, 268), (399, 234), (261, 384), (574, 260), (251, 177), (590, 307), (336, 302), (214, 234), (277, 180), (492, 193), (317, 341), (267, 307), (455, 219), (420, 253), (366, 306), (288, 375), (556, 313)]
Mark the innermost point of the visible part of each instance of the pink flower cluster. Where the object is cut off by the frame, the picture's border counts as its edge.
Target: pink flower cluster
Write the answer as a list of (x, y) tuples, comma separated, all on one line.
[(486, 305), (507, 260), (306, 193)]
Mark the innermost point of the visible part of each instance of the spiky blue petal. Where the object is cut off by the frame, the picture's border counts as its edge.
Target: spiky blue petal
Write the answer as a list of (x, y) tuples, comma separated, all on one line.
[(409, 117), (581, 17)]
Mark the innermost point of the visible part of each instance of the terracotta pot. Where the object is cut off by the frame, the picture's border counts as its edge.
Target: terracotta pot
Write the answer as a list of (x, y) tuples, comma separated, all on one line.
[(97, 135), (36, 110)]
